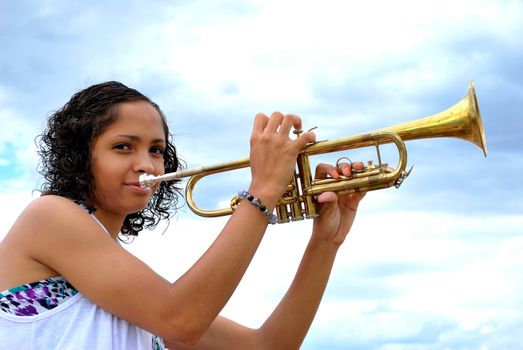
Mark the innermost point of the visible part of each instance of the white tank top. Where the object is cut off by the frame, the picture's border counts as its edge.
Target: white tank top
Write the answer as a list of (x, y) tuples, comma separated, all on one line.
[(74, 323)]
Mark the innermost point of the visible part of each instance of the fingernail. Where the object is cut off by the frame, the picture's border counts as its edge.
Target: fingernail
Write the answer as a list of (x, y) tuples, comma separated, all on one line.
[(358, 166)]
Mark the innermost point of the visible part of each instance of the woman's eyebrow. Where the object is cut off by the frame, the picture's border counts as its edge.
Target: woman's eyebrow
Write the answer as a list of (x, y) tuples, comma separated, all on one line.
[(157, 141), (138, 138)]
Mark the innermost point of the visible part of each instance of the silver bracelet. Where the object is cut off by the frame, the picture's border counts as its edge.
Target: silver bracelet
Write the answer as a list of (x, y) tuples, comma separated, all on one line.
[(256, 202)]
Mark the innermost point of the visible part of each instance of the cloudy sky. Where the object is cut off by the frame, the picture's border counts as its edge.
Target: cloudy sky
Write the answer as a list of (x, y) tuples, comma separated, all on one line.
[(436, 264)]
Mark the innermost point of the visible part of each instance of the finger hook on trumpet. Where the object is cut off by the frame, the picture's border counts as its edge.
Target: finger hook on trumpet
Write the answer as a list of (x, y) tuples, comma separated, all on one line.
[(298, 132)]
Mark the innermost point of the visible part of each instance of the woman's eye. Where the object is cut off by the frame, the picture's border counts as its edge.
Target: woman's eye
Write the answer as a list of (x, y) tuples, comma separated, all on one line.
[(122, 146), (157, 150)]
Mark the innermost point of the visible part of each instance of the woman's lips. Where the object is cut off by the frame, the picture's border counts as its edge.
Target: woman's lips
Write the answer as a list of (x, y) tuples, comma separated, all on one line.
[(135, 186)]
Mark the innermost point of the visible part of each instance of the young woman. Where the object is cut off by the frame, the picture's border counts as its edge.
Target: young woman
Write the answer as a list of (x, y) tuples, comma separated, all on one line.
[(67, 282)]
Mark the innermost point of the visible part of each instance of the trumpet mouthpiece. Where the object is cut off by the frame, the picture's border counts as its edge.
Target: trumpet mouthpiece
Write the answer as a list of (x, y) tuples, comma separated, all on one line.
[(147, 180)]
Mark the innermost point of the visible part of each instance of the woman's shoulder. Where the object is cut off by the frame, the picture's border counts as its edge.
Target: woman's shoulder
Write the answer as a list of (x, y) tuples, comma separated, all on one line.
[(49, 202), (52, 206), (42, 227), (51, 225), (49, 212)]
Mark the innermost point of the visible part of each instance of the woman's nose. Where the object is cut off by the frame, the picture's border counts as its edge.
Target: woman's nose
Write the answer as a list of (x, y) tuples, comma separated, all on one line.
[(144, 164)]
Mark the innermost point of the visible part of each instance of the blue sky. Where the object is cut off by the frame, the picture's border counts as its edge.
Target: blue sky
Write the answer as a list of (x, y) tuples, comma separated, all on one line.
[(433, 265)]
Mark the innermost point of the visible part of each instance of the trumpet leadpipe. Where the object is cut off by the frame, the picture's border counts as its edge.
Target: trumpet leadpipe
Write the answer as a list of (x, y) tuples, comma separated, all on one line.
[(148, 180)]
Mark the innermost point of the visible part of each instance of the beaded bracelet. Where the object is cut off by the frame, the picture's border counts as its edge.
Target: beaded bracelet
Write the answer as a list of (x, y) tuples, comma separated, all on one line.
[(256, 202)]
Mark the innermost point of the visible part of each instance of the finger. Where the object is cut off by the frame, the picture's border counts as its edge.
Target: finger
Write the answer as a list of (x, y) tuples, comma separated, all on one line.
[(274, 122), (304, 139), (324, 170), (345, 169), (358, 166), (260, 122), (352, 200), (326, 197), (327, 204), (357, 197), (290, 121)]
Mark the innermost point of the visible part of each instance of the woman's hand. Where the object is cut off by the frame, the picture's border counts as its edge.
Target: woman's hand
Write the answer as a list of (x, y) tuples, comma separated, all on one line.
[(336, 213), (273, 154)]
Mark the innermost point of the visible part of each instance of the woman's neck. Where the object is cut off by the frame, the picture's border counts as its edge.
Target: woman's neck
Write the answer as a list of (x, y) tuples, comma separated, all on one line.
[(111, 223)]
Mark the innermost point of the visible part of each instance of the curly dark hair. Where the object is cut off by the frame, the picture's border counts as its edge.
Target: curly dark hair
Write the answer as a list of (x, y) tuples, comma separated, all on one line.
[(65, 150)]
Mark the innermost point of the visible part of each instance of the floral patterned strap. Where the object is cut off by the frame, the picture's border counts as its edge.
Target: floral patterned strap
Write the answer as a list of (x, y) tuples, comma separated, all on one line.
[(35, 298)]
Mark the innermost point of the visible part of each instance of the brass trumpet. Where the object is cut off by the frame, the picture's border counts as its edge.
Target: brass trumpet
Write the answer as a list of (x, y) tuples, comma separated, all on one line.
[(463, 120)]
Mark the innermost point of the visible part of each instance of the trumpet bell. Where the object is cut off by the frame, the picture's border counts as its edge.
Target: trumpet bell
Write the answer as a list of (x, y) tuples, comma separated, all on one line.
[(463, 120)]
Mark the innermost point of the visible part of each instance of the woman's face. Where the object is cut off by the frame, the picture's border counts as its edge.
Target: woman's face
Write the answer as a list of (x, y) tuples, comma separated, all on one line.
[(134, 144)]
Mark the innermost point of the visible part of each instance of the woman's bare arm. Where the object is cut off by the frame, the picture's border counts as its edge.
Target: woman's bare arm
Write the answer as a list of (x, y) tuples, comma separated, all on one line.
[(289, 323), (59, 234)]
